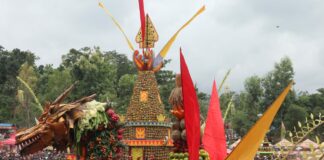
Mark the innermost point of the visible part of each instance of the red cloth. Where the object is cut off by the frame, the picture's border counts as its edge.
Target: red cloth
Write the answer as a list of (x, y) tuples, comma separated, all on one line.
[(214, 140), (191, 108), (142, 16)]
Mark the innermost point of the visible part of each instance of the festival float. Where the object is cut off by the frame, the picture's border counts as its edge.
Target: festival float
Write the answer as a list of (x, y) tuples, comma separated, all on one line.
[(147, 129), (90, 127), (94, 131)]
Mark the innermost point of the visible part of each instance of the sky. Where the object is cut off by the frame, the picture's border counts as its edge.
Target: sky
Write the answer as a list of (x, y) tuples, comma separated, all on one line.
[(247, 36)]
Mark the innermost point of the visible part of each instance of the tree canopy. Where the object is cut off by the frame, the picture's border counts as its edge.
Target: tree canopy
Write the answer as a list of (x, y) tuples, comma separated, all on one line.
[(111, 75)]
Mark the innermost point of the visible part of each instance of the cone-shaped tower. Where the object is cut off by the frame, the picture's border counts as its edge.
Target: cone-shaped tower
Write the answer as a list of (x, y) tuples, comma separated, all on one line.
[(147, 132)]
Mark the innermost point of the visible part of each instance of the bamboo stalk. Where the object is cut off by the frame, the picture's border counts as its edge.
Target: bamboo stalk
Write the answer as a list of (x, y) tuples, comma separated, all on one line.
[(228, 107), (223, 81), (39, 106)]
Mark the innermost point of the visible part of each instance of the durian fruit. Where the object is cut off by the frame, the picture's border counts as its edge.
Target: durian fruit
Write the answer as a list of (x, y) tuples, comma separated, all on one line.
[(176, 135), (176, 125), (183, 135), (182, 124)]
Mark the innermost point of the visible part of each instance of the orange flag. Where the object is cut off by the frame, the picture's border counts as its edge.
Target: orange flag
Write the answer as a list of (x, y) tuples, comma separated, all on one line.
[(214, 139), (191, 108), (249, 145)]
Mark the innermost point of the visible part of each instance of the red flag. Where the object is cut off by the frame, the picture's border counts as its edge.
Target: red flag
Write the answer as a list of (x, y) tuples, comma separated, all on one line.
[(191, 107), (214, 140), (142, 16)]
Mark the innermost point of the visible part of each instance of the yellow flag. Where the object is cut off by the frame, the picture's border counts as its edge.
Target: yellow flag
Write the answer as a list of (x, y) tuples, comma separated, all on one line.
[(117, 24), (166, 48), (249, 145)]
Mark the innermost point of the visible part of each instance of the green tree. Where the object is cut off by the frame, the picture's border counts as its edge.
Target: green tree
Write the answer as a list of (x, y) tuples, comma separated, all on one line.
[(10, 62), (125, 90), (166, 82), (252, 98), (274, 83), (26, 111), (95, 74), (313, 103), (294, 114), (240, 122), (54, 82)]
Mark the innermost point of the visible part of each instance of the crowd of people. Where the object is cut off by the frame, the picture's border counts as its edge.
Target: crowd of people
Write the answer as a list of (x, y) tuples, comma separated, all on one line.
[(8, 153)]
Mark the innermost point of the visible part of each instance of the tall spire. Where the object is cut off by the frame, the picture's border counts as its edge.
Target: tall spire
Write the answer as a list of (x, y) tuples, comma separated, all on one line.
[(151, 36)]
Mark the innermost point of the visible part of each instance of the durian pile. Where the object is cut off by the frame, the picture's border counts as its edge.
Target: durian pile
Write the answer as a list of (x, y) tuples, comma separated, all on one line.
[(178, 134)]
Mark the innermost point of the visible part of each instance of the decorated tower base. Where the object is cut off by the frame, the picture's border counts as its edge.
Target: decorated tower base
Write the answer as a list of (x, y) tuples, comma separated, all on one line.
[(147, 133)]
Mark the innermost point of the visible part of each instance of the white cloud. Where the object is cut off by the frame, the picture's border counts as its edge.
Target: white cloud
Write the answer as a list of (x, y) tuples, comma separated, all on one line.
[(241, 35)]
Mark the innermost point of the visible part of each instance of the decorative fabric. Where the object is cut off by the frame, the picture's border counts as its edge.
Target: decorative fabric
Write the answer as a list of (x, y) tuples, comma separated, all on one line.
[(191, 107), (118, 25), (214, 139), (167, 46), (142, 16), (249, 145)]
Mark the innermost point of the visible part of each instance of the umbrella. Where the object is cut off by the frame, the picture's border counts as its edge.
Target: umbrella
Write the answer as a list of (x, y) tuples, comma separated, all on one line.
[(10, 141), (284, 143), (306, 144)]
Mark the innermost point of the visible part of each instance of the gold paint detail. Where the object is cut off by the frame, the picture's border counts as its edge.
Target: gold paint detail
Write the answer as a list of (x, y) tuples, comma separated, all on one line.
[(140, 133), (161, 117), (143, 96), (151, 35), (122, 118), (137, 153)]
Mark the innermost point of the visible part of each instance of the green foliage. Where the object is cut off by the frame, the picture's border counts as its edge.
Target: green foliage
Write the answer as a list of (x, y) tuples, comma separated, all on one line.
[(260, 92), (166, 82), (303, 130), (53, 82), (125, 89), (111, 75), (21, 96), (273, 83), (10, 62), (295, 113), (95, 74), (28, 108), (241, 123)]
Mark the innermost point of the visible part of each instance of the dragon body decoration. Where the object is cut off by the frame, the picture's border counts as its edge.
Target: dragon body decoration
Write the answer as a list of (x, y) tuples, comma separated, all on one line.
[(75, 125)]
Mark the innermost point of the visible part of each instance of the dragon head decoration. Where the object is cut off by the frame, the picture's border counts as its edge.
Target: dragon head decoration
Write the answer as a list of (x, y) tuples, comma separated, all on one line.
[(53, 127)]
